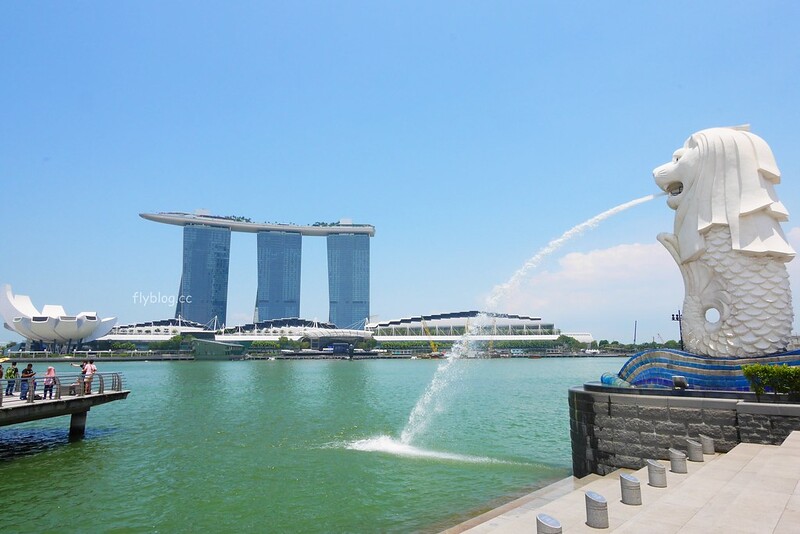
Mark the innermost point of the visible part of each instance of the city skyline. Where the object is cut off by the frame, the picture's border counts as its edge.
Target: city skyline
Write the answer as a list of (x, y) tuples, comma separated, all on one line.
[(203, 293), (470, 136)]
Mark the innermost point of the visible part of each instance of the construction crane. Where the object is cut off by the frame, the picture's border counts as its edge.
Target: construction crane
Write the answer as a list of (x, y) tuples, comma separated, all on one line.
[(434, 348), (490, 347)]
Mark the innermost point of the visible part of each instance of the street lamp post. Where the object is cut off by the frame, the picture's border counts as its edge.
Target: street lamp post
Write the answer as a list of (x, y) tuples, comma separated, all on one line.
[(677, 317)]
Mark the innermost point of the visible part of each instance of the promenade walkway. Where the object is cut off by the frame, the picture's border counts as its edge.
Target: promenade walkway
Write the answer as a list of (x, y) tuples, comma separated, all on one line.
[(751, 489)]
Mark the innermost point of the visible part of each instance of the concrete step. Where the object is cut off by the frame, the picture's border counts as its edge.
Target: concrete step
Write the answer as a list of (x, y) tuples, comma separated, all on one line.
[(524, 504), (753, 488)]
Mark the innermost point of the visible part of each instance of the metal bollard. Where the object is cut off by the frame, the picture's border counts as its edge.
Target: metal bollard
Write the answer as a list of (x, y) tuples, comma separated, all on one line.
[(677, 461), (546, 524), (596, 510), (708, 444), (630, 489), (695, 450), (656, 474)]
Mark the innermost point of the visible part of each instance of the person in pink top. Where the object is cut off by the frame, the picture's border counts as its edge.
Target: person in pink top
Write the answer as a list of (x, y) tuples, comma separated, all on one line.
[(89, 369), (49, 381)]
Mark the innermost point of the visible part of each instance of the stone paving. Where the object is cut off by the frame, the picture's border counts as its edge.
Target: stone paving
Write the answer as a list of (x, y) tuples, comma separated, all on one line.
[(751, 489)]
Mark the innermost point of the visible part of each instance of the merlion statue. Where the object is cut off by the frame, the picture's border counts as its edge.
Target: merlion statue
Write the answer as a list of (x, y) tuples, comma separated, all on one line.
[(728, 244)]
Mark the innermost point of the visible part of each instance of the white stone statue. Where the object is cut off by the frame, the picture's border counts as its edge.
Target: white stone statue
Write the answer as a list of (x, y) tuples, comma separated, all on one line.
[(729, 244)]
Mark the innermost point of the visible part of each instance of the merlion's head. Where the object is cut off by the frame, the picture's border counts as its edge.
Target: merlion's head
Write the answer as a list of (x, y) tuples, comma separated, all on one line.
[(725, 176)]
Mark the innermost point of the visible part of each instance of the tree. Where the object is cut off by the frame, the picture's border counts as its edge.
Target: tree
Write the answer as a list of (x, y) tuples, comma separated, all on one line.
[(174, 343), (570, 342), (264, 344), (366, 344)]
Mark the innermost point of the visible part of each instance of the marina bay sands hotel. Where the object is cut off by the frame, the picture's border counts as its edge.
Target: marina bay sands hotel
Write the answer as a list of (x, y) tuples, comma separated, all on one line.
[(203, 295)]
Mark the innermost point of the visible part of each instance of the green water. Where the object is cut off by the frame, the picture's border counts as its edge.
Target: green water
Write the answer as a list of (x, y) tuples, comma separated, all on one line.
[(268, 446)]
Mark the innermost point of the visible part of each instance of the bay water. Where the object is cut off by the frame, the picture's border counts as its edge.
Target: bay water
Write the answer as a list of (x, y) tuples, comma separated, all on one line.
[(295, 446)]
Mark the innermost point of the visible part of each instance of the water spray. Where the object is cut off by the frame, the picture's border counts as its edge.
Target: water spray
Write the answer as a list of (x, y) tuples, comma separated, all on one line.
[(430, 402), (500, 291), (448, 371)]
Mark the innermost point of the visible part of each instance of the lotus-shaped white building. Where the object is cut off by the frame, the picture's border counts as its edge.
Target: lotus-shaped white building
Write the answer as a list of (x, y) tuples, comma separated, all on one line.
[(52, 324)]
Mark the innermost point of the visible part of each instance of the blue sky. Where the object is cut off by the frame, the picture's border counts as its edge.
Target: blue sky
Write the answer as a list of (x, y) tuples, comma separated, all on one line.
[(469, 133)]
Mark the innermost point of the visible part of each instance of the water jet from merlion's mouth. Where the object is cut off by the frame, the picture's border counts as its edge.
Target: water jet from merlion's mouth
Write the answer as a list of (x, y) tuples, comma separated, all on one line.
[(432, 400), (448, 372), (500, 291)]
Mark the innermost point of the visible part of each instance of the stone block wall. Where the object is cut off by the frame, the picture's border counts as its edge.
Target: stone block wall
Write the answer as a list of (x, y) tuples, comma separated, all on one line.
[(613, 430), (766, 422)]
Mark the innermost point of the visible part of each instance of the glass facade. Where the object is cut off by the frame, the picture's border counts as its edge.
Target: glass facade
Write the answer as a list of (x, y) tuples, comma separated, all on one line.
[(279, 256), (203, 293), (348, 280)]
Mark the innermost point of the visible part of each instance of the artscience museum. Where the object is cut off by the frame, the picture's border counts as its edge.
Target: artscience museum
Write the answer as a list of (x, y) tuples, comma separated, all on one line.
[(52, 325)]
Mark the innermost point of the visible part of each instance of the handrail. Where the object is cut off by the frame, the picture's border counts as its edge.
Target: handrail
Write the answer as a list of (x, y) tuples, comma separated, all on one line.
[(97, 354), (64, 385)]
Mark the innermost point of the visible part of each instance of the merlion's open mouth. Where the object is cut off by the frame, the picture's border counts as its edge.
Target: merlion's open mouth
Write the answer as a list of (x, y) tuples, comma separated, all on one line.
[(674, 189)]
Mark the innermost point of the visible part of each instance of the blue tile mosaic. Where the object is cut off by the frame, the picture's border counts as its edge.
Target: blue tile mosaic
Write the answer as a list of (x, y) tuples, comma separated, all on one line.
[(655, 368)]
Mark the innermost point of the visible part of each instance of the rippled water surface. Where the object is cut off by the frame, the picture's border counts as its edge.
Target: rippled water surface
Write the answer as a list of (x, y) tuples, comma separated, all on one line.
[(301, 446)]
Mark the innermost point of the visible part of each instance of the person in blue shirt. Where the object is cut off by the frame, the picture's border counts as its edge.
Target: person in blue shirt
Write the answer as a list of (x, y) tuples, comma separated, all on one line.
[(27, 382)]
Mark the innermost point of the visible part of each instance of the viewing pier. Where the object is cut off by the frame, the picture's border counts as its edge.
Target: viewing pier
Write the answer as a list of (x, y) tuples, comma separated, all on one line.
[(71, 396)]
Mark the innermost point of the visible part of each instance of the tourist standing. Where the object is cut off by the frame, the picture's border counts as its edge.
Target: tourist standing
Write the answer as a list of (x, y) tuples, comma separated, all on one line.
[(27, 382), (89, 370), (49, 381), (11, 374), (82, 365)]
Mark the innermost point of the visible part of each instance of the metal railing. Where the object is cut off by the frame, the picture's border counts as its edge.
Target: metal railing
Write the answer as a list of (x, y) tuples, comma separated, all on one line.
[(96, 354), (69, 384)]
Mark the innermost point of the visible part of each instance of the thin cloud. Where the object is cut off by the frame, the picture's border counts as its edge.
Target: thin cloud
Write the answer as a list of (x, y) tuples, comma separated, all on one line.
[(500, 291), (596, 291), (604, 291), (630, 269)]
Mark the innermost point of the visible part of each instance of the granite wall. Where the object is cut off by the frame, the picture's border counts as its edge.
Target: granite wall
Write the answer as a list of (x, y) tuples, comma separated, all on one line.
[(610, 428)]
